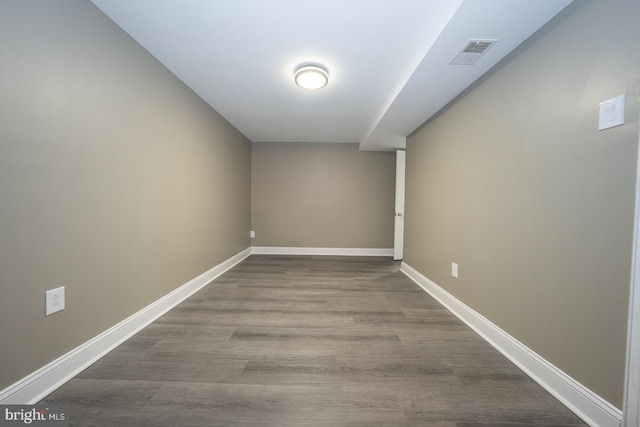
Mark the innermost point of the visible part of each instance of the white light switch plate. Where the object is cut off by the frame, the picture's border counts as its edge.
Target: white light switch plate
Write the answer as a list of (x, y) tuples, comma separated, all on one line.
[(612, 112), (454, 270)]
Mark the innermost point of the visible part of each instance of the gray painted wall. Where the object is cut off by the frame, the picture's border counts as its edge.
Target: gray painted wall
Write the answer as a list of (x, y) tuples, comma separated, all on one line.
[(515, 183), (116, 180), (322, 195)]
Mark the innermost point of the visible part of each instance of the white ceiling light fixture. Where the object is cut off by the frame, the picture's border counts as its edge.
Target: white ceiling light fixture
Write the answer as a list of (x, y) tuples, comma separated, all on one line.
[(311, 76)]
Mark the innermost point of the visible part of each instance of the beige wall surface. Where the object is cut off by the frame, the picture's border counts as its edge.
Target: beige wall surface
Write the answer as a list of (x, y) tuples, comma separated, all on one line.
[(515, 184), (116, 180), (321, 195)]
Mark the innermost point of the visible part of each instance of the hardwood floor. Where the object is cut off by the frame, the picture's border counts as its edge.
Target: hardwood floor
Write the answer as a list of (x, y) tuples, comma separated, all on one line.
[(308, 341)]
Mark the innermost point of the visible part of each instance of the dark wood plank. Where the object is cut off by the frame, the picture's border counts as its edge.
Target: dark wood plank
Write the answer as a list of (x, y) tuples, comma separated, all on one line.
[(289, 341)]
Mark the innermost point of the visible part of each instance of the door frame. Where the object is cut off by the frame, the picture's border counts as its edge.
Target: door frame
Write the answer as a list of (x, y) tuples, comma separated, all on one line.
[(398, 220), (631, 404)]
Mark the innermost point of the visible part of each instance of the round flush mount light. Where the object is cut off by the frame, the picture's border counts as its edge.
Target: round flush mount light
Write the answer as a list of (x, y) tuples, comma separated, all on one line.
[(311, 76)]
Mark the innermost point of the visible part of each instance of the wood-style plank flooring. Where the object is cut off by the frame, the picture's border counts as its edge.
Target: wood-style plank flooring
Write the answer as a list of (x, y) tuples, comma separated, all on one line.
[(308, 341)]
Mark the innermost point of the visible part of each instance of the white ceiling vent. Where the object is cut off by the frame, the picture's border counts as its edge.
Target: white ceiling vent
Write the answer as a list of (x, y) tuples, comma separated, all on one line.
[(473, 51)]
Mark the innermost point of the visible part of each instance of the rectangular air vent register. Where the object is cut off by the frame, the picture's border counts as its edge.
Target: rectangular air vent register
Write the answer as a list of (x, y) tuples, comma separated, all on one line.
[(473, 51)]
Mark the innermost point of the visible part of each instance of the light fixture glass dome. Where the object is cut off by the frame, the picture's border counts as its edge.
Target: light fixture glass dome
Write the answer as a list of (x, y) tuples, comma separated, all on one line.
[(311, 76)]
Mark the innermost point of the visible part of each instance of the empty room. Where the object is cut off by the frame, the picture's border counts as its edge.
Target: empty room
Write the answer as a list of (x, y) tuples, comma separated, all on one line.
[(322, 213)]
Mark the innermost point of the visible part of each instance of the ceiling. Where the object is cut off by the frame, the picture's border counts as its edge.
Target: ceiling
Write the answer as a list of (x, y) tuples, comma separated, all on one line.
[(388, 60)]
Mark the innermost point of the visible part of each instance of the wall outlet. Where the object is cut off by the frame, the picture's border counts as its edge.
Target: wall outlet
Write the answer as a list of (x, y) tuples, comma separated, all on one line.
[(54, 301), (454, 270), (252, 234)]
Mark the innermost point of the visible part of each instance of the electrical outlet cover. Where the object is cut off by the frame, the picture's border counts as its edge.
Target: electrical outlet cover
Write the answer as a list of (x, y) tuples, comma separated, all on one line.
[(54, 301)]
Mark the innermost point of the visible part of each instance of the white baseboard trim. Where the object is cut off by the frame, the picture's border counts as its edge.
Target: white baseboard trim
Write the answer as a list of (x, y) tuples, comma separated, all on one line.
[(275, 250), (593, 409), (37, 385)]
